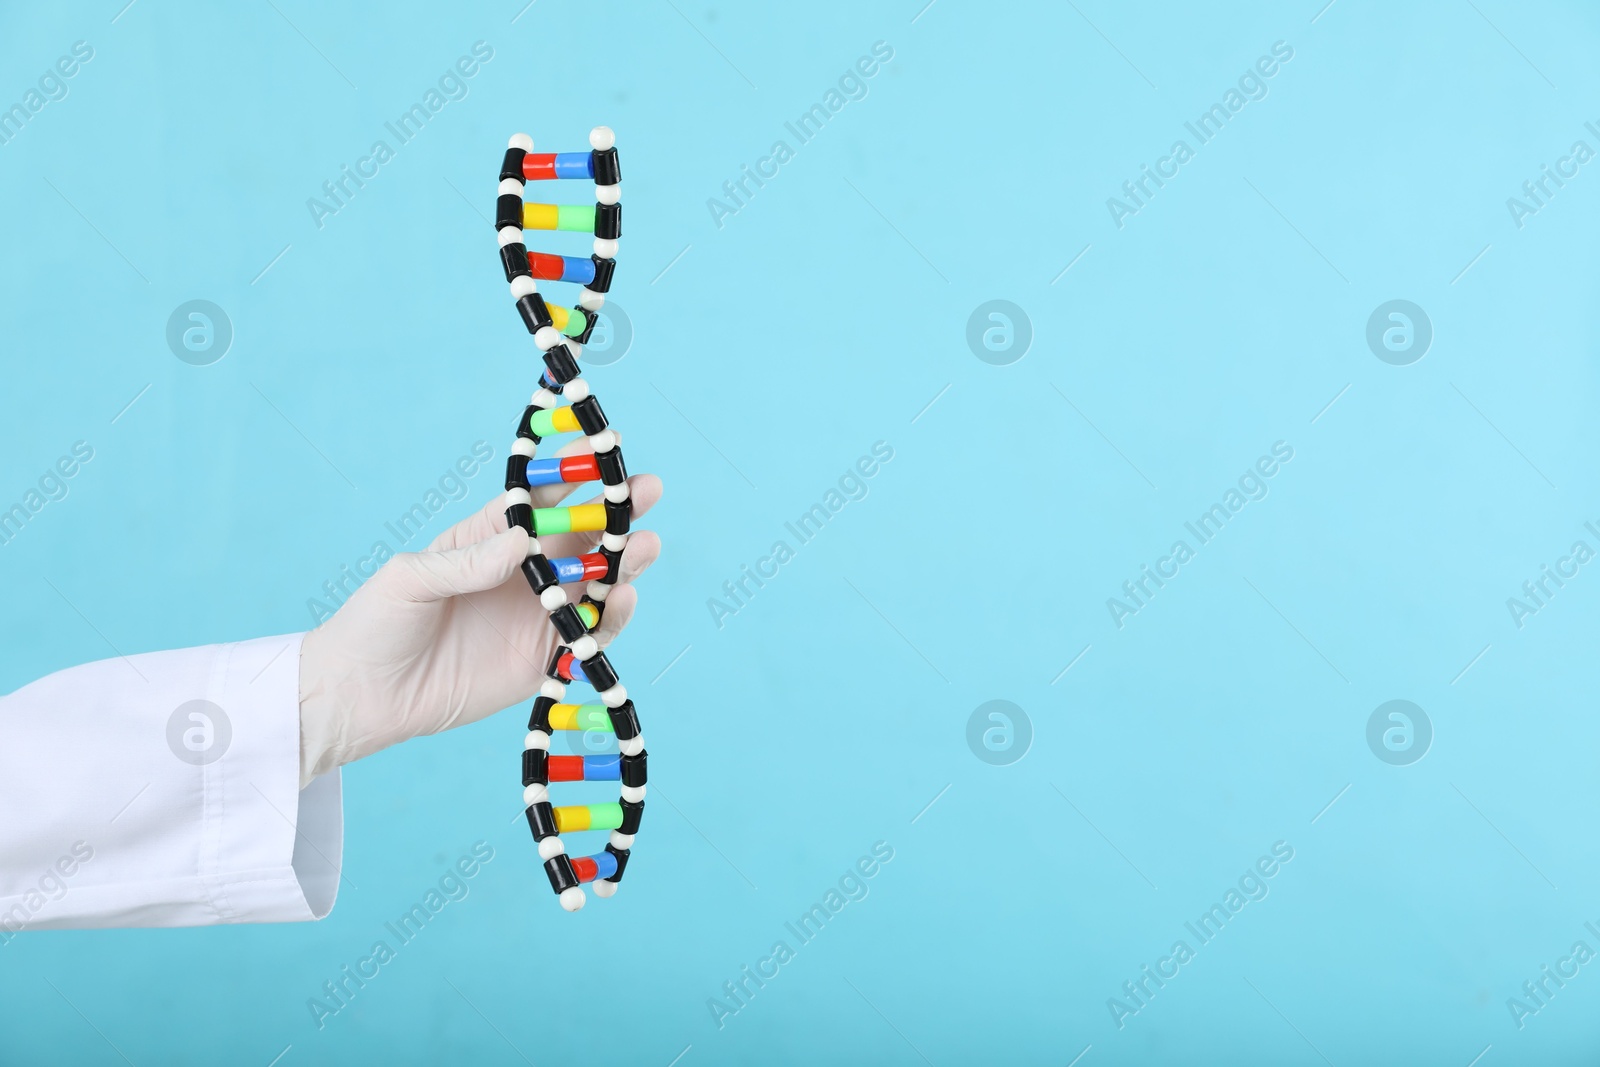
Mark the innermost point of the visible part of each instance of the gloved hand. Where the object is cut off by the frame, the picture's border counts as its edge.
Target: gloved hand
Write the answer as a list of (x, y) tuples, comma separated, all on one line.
[(447, 636)]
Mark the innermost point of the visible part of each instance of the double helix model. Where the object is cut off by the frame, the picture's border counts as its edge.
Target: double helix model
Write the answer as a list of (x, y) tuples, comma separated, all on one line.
[(560, 333)]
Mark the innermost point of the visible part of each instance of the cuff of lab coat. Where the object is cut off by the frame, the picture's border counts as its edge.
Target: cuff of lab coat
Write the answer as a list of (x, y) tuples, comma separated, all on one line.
[(270, 851)]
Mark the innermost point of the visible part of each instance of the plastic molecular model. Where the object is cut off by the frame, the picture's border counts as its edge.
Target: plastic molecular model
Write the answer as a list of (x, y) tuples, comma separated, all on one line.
[(560, 333)]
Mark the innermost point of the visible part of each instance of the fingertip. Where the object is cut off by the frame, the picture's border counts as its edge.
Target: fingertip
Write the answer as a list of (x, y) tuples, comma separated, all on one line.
[(619, 611), (644, 548), (516, 536), (495, 512), (502, 554), (479, 526), (645, 489), (650, 542)]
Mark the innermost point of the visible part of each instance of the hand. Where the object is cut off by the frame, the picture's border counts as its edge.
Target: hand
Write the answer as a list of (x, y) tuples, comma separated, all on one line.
[(450, 635)]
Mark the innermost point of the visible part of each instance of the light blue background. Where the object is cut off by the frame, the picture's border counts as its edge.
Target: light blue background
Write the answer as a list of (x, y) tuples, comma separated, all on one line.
[(830, 710)]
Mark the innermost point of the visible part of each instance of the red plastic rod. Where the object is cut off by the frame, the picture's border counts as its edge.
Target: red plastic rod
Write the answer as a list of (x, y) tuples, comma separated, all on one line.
[(566, 768), (539, 167), (545, 266), (584, 468)]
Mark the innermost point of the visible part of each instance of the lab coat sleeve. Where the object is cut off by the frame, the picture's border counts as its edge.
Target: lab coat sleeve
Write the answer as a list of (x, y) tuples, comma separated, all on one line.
[(164, 790)]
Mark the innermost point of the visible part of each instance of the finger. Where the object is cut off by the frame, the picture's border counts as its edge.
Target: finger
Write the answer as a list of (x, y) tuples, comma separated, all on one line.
[(644, 490), (479, 526), (643, 549), (619, 609), (424, 577)]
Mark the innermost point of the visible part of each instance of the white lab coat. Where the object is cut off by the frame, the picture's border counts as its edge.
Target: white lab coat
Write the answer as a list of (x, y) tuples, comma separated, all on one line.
[(104, 821)]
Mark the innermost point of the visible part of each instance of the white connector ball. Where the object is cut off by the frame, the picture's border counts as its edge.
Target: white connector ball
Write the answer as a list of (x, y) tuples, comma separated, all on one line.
[(603, 888), (572, 899), (523, 141), (551, 847), (602, 138)]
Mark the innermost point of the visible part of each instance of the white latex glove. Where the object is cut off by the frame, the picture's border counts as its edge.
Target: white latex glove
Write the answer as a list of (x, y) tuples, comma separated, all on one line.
[(448, 636)]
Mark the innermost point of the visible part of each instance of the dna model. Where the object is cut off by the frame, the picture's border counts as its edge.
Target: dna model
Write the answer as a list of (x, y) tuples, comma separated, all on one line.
[(560, 333)]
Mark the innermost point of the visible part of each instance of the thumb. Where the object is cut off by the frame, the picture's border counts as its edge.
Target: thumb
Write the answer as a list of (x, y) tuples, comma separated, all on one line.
[(424, 577)]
